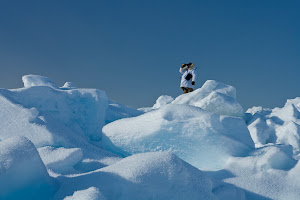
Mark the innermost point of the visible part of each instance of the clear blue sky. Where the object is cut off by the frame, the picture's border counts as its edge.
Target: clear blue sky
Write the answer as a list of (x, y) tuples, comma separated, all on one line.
[(133, 49)]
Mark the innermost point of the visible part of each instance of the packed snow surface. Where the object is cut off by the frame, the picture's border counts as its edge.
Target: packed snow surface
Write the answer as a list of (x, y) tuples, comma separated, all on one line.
[(197, 146)]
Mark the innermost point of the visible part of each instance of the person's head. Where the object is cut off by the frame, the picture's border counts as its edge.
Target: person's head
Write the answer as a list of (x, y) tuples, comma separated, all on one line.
[(190, 65)]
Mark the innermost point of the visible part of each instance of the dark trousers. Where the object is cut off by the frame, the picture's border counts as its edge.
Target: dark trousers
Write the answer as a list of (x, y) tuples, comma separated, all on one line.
[(187, 90)]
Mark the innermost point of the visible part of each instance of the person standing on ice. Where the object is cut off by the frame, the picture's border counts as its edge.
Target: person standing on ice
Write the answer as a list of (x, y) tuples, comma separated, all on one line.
[(188, 78)]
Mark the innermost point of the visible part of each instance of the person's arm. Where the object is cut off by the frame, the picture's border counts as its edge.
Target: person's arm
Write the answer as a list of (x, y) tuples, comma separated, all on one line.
[(182, 69), (194, 77)]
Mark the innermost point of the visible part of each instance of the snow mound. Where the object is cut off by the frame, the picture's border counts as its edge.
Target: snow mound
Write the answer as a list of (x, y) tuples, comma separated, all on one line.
[(154, 175), (22, 172), (60, 159), (215, 97), (199, 137), (278, 125), (91, 193), (37, 80), (117, 111), (163, 175), (266, 173), (162, 101)]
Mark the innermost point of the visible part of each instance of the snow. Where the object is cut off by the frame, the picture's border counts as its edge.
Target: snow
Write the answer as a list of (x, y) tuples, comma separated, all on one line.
[(71, 118), (74, 143), (60, 159), (154, 175), (278, 125), (83, 110), (37, 80), (17, 121), (91, 193), (22, 172), (189, 132), (162, 101), (265, 173), (117, 111), (215, 97), (69, 85)]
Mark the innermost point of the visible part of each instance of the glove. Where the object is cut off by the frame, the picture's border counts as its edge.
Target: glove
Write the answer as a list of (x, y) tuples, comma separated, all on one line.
[(193, 82), (183, 65)]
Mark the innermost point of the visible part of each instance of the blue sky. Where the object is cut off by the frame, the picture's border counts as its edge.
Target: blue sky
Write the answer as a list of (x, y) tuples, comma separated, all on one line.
[(133, 49)]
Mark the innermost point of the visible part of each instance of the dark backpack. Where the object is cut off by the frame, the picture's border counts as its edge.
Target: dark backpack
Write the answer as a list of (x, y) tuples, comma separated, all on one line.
[(188, 77)]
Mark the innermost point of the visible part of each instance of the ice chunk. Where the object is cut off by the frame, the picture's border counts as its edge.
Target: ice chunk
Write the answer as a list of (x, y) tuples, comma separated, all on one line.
[(262, 131), (278, 125), (37, 80), (199, 137), (69, 85), (22, 172), (82, 110), (145, 109), (289, 134), (260, 110), (117, 111), (288, 113), (162, 101), (60, 159), (91, 193), (214, 97)]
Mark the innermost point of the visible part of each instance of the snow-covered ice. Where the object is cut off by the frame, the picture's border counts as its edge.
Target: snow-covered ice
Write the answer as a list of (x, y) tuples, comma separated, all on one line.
[(73, 143), (215, 97), (117, 111), (37, 80), (154, 175), (162, 101), (189, 132), (91, 193), (278, 125), (265, 173)]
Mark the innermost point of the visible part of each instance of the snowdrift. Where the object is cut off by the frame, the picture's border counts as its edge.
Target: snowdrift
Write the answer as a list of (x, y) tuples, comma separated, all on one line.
[(22, 172), (199, 137), (265, 174), (156, 175)]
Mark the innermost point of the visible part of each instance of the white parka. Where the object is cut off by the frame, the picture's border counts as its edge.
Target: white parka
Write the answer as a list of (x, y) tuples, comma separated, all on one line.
[(185, 72)]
